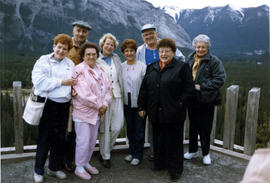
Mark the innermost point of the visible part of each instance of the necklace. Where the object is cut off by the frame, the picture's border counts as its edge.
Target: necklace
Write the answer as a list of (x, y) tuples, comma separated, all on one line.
[(154, 54)]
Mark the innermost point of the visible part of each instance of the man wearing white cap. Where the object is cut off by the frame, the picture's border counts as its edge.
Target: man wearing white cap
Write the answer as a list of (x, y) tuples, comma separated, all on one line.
[(80, 34), (148, 53)]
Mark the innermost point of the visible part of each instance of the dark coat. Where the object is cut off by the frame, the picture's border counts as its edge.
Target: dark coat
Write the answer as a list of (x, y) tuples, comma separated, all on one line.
[(211, 77), (165, 94)]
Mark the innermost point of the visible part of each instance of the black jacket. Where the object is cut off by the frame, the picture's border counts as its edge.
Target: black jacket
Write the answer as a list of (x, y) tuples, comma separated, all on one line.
[(211, 77), (165, 94)]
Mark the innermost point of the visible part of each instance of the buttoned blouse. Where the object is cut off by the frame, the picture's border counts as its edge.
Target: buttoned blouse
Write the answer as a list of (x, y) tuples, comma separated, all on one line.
[(112, 71)]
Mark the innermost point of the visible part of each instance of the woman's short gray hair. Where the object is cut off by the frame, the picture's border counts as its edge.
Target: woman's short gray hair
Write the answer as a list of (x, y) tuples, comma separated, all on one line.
[(201, 38), (106, 36)]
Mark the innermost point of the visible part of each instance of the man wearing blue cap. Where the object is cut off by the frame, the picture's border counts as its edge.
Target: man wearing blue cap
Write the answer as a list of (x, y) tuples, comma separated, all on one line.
[(80, 34), (148, 53)]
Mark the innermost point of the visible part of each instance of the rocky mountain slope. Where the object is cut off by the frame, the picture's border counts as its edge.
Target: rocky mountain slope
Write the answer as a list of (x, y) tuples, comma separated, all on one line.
[(32, 24)]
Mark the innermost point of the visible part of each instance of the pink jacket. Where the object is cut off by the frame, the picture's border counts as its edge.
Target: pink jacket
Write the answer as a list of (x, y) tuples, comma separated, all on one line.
[(88, 99)]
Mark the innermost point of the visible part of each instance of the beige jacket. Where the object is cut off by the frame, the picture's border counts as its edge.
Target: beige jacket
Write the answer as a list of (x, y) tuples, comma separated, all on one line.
[(116, 82), (74, 53)]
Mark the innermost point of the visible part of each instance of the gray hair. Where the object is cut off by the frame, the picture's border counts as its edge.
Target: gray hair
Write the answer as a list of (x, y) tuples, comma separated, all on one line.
[(108, 36), (201, 38)]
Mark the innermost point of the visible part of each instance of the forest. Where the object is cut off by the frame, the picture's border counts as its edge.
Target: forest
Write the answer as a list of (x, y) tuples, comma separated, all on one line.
[(245, 73)]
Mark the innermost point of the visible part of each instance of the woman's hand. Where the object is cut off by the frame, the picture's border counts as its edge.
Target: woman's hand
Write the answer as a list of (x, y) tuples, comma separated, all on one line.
[(102, 110), (69, 82), (197, 87), (73, 93), (142, 114)]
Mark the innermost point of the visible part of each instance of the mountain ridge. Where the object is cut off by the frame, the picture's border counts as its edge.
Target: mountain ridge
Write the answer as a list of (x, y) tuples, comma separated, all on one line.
[(31, 25), (240, 31)]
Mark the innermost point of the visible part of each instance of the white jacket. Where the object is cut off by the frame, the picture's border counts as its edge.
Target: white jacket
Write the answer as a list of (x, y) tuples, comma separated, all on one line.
[(44, 82)]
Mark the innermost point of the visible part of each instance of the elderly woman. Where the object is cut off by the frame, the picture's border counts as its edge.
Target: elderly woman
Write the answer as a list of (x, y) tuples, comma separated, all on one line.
[(89, 106), (165, 92), (133, 73), (113, 121), (51, 77), (208, 76)]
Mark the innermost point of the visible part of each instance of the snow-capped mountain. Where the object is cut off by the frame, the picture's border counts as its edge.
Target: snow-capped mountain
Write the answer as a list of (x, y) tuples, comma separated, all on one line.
[(233, 30), (173, 11), (32, 24)]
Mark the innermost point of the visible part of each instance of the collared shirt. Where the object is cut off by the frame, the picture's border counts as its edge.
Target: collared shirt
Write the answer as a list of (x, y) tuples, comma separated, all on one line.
[(47, 76), (151, 56), (108, 59)]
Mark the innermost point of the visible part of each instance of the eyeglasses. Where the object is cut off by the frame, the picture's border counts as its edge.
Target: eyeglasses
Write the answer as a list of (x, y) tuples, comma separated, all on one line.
[(90, 54), (164, 51), (148, 34)]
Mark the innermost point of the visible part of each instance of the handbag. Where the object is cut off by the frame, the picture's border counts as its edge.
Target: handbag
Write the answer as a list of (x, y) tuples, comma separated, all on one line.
[(34, 108)]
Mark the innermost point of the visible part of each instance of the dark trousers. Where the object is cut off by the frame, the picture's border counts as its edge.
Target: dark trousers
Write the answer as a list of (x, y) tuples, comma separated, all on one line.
[(70, 145), (135, 131), (201, 121), (51, 136), (168, 146)]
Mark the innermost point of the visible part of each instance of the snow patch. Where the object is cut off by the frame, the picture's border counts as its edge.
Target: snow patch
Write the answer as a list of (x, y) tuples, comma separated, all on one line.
[(173, 11)]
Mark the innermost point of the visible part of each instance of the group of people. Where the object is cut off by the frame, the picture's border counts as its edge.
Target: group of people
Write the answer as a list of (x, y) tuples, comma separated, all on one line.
[(90, 91)]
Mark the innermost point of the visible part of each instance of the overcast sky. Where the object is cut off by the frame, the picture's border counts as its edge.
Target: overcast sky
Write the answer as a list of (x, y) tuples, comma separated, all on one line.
[(198, 4)]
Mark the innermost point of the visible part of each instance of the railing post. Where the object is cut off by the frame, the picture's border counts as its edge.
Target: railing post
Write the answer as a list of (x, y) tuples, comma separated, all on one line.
[(251, 120), (213, 133), (268, 145), (18, 123), (230, 116)]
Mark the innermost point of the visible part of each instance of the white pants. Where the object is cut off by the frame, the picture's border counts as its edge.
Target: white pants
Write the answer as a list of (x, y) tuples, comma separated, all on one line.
[(110, 127)]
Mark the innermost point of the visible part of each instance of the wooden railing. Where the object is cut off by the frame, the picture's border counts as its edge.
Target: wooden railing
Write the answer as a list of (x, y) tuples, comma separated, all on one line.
[(229, 122)]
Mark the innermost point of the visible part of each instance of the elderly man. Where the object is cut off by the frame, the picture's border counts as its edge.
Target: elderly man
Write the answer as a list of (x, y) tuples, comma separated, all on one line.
[(80, 33), (148, 53)]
